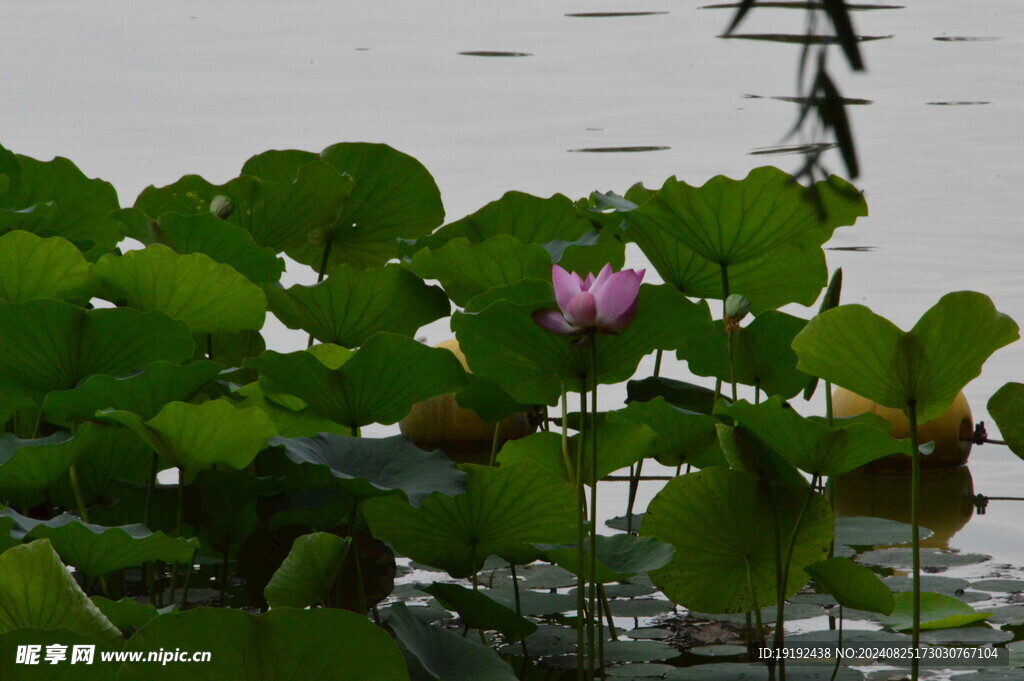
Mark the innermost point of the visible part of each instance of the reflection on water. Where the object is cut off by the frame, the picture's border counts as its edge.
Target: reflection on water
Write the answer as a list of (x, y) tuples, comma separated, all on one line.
[(957, 103), (812, 148), (494, 53), (847, 101), (608, 15), (801, 39), (803, 5), (947, 499), (964, 38), (610, 150)]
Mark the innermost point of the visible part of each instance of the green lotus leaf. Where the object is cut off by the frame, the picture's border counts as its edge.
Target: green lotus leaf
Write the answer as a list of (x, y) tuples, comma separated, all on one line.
[(289, 423), (394, 197), (199, 436), (792, 272), (467, 269), (1007, 410), (330, 645), (938, 611), (761, 353), (222, 506), (307, 575), (105, 457), (222, 241), (144, 393), (352, 305), (97, 550), (49, 345), (279, 213), (811, 445), (127, 613), (33, 267), (231, 349), (379, 384), (590, 252), (381, 466), (529, 219), (54, 198), (487, 399), (681, 436), (478, 611), (206, 295), (925, 367), (723, 527), (526, 292), (28, 467), (687, 396), (443, 655), (10, 169), (852, 585), (619, 444), (619, 557), (503, 343), (37, 591), (728, 222), (746, 453), (503, 511), (13, 641)]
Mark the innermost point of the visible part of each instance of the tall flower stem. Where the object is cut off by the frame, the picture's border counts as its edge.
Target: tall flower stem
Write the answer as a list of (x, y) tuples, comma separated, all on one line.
[(581, 520), (915, 520), (595, 605), (728, 328)]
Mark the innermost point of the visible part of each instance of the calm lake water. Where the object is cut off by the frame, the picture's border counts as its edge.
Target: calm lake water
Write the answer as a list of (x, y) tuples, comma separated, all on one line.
[(141, 92)]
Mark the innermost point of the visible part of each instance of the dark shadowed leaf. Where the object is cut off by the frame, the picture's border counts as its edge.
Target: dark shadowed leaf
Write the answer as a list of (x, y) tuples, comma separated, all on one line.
[(478, 611), (619, 557), (681, 436), (309, 572)]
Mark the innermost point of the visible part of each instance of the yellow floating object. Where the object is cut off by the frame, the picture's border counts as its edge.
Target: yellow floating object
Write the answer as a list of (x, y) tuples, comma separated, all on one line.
[(945, 431), (440, 423)]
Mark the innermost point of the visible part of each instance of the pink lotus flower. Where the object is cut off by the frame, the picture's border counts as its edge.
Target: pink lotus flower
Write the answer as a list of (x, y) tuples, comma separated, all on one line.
[(606, 304)]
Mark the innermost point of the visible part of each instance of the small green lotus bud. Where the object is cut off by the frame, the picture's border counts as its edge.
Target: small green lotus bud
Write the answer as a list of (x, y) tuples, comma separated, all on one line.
[(222, 207)]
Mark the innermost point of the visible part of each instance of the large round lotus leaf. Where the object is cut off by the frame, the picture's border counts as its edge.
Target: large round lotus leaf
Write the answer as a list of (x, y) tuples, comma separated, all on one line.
[(681, 436), (308, 573), (352, 305), (931, 559), (144, 393), (998, 585), (97, 550), (854, 586), (467, 269), (761, 353), (379, 384), (28, 467), (619, 444), (478, 611), (372, 467), (289, 423), (33, 267), (503, 343), (48, 345), (1007, 409), (503, 512), (529, 219), (222, 241), (199, 436), (937, 612), (393, 197), (723, 526), (927, 366), (619, 557), (330, 645), (730, 221), (70, 667), (37, 591), (810, 445), (536, 292), (126, 613), (105, 457), (280, 212), (445, 655), (208, 296), (868, 531), (56, 198)]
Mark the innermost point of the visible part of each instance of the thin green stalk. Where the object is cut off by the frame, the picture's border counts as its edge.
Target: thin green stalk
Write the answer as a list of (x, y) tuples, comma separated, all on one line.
[(657, 363), (915, 520), (321, 272), (354, 549), (570, 467), (607, 611), (209, 346), (783, 579), (224, 575), (728, 330), (828, 402), (177, 527), (581, 506), (595, 609), (839, 644), (494, 443), (188, 574), (757, 607), (519, 608), (634, 487)]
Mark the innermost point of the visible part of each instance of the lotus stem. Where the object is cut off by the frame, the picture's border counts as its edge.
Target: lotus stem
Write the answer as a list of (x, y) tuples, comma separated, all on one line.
[(634, 487), (757, 612), (839, 644), (354, 548), (780, 633), (915, 519), (188, 574), (657, 363), (607, 613), (828, 403), (494, 443), (583, 622), (570, 467), (595, 609), (519, 609)]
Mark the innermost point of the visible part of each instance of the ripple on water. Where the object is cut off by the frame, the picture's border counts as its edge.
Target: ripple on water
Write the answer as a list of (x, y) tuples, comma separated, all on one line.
[(494, 53), (960, 103), (611, 15), (964, 39), (614, 150)]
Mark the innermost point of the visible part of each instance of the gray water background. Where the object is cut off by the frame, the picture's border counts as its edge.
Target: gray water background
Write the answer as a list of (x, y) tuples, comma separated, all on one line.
[(140, 92)]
